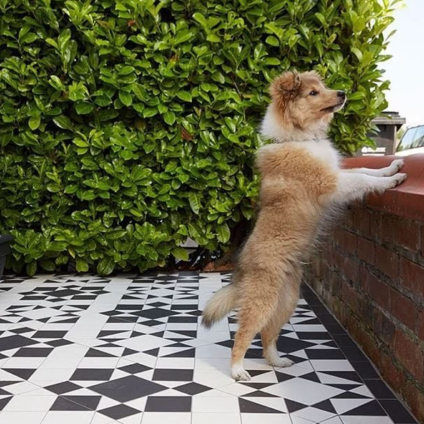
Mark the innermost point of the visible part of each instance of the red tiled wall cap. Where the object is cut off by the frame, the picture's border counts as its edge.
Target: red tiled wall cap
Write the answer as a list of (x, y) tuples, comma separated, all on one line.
[(407, 200)]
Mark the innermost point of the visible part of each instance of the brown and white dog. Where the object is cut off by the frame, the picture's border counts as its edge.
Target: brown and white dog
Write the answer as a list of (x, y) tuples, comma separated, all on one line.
[(301, 184)]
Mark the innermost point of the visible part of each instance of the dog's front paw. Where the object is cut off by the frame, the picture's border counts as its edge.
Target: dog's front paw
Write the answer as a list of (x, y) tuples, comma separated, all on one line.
[(394, 168), (397, 165), (239, 373), (397, 180)]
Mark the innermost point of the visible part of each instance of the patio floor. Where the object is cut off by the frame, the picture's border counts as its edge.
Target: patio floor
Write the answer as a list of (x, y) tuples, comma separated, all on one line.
[(129, 349)]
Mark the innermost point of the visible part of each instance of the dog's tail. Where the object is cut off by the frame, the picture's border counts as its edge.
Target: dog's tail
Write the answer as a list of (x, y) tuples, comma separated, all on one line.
[(221, 304)]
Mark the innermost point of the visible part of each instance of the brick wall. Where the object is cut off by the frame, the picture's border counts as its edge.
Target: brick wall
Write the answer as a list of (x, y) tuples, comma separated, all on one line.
[(370, 273)]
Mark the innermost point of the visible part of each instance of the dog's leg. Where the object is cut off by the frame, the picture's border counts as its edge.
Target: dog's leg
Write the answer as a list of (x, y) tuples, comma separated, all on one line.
[(354, 186), (271, 332), (252, 318), (388, 171), (244, 337)]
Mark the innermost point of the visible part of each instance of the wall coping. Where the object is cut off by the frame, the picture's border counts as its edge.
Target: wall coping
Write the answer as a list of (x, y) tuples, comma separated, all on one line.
[(407, 200)]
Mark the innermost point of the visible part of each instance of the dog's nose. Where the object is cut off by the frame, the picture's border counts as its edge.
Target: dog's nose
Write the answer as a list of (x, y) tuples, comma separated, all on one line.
[(341, 94)]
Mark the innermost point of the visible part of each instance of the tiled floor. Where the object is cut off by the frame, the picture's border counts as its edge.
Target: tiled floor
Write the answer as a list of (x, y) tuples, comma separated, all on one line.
[(88, 350)]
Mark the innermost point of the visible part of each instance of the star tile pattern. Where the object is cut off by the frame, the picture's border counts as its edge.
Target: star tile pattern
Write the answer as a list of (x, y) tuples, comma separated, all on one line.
[(130, 349)]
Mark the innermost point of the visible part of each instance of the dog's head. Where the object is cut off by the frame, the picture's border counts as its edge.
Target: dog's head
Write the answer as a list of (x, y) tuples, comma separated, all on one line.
[(302, 101)]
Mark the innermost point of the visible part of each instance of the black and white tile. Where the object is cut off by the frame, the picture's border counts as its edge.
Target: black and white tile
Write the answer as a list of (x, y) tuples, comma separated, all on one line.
[(130, 350)]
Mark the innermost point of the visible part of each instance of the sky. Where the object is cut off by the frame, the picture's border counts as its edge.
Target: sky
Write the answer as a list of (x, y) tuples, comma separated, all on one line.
[(406, 68)]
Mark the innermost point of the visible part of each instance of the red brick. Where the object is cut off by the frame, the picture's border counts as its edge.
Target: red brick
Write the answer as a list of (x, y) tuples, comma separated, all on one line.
[(362, 221), (409, 354), (401, 232), (387, 262), (349, 295), (422, 241), (351, 269), (389, 371), (377, 289), (349, 218), (420, 326), (415, 400), (384, 329), (412, 276), (346, 240), (366, 250), (402, 308)]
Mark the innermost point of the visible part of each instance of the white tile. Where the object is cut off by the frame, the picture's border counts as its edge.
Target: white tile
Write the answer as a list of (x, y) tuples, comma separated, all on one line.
[(212, 364), (21, 387), (313, 414), (215, 405), (334, 420), (60, 363), (265, 419), (166, 418), (366, 420), (23, 362), (345, 405), (101, 419), (333, 365), (299, 420), (175, 363), (303, 391), (212, 378), (70, 351), (21, 417), (133, 419), (213, 351), (27, 403), (98, 363), (143, 343), (52, 374), (66, 417), (211, 418)]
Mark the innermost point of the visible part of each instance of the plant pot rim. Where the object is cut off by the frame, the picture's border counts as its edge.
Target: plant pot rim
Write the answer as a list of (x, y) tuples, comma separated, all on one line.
[(5, 239)]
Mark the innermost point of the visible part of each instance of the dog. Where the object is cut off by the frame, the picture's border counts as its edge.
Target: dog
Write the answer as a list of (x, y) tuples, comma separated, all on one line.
[(302, 182)]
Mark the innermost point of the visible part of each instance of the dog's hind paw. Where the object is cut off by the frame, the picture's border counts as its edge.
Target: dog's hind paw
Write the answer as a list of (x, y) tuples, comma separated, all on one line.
[(239, 373)]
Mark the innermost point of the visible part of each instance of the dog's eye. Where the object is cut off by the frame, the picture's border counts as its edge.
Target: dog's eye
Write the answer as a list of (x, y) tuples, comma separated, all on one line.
[(313, 93)]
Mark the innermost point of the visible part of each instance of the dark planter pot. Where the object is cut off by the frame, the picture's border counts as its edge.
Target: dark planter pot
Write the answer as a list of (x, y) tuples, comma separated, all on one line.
[(4, 251)]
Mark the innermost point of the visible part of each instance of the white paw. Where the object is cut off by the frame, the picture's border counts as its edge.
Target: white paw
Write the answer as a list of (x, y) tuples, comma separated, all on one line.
[(397, 179), (282, 363), (239, 373), (395, 167)]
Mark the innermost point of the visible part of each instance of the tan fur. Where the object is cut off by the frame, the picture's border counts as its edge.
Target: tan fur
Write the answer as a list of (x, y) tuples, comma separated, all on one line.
[(300, 178)]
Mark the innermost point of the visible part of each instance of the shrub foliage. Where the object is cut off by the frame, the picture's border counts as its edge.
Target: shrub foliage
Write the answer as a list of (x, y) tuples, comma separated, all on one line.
[(128, 125)]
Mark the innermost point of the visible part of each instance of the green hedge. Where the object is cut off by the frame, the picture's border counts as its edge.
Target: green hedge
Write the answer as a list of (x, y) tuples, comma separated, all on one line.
[(128, 125)]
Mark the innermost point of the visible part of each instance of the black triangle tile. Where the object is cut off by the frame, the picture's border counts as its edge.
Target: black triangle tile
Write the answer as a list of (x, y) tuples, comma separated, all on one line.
[(350, 395), (178, 345), (344, 386), (293, 406), (4, 402), (188, 353), (90, 402), (283, 377), (94, 353), (258, 386), (260, 394), (255, 373), (152, 352), (311, 377), (24, 373), (247, 406), (371, 409), (347, 375), (326, 405), (129, 351)]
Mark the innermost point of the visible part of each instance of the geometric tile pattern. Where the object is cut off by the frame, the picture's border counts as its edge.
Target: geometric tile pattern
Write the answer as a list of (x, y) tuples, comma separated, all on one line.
[(129, 349)]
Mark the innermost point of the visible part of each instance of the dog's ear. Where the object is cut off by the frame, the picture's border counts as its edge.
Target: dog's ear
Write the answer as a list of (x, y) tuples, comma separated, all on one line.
[(286, 86)]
